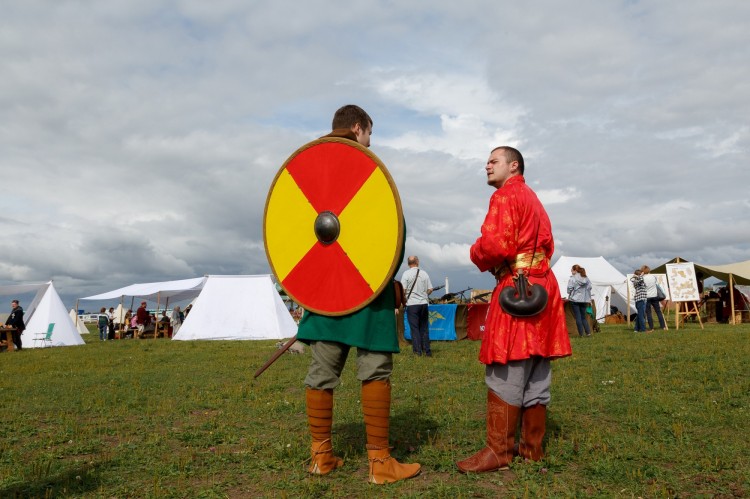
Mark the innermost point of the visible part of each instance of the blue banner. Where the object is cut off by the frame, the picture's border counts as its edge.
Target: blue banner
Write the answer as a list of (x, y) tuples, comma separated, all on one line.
[(442, 321)]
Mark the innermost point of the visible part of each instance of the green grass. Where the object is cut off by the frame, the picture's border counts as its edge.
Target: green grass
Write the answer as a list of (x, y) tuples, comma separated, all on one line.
[(658, 415)]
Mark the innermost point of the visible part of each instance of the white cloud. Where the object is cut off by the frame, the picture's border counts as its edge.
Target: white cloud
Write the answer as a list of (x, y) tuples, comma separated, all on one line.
[(557, 196), (139, 139)]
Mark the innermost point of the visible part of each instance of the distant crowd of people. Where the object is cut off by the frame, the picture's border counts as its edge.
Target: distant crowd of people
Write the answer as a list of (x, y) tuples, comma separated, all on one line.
[(139, 323)]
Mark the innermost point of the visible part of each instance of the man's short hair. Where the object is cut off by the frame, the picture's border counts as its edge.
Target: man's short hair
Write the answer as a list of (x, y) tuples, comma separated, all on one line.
[(412, 260), (349, 115), (512, 154), (15, 301)]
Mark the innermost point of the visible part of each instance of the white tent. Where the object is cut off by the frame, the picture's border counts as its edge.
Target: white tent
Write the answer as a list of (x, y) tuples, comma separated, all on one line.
[(176, 290), (119, 314), (46, 308), (238, 308), (609, 285), (80, 326)]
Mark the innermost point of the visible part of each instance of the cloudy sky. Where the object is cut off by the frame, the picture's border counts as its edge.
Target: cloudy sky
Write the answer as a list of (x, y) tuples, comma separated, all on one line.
[(138, 138)]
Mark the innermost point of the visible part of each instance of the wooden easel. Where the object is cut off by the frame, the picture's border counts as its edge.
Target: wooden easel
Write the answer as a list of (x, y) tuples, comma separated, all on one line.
[(682, 311)]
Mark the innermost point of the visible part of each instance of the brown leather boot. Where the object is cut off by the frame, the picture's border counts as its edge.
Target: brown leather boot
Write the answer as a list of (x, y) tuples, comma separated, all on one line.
[(376, 406), (320, 419), (502, 419), (533, 422)]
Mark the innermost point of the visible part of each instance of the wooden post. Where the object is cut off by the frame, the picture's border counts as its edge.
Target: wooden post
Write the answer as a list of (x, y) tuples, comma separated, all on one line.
[(676, 304), (731, 299), (627, 305), (120, 327)]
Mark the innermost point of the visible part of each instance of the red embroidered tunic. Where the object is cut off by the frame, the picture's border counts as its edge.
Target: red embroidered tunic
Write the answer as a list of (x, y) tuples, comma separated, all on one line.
[(507, 241)]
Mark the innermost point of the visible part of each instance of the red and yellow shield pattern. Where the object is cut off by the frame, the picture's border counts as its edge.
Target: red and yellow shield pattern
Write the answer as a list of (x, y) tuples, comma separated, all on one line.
[(340, 179)]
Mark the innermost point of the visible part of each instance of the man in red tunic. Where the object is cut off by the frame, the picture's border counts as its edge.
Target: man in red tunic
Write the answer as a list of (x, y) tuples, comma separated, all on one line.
[(516, 350)]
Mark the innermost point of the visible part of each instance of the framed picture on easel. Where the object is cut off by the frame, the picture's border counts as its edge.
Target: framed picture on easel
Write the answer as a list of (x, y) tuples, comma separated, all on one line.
[(683, 285)]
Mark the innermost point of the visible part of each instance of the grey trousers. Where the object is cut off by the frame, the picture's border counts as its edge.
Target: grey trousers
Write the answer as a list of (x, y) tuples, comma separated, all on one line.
[(329, 357), (522, 383)]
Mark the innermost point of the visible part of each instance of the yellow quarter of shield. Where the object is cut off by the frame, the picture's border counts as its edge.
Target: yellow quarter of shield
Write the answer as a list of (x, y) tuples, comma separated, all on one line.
[(369, 229), (289, 225)]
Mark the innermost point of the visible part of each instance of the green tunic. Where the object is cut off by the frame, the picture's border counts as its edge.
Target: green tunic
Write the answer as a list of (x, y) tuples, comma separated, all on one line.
[(372, 327)]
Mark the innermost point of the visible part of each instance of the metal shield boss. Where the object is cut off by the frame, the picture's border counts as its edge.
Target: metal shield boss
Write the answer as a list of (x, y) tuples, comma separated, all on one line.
[(333, 226)]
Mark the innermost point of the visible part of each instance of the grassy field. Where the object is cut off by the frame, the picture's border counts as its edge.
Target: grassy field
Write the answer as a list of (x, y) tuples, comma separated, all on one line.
[(658, 415)]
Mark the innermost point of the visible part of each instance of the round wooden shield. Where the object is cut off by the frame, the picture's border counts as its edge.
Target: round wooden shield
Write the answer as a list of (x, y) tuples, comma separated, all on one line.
[(333, 226)]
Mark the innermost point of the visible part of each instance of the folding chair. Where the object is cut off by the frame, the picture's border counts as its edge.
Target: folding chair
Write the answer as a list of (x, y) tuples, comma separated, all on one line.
[(45, 338)]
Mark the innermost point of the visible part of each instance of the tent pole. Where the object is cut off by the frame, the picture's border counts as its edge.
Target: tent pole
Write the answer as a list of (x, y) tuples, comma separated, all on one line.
[(731, 299), (627, 312), (77, 314), (121, 326)]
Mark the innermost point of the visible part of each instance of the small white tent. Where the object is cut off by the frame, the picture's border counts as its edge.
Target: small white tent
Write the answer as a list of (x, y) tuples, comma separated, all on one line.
[(238, 308), (609, 285), (119, 314), (46, 308), (78, 322)]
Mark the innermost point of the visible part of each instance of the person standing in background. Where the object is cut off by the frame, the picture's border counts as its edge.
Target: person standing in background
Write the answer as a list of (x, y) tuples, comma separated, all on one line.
[(579, 296), (15, 319), (417, 287), (111, 323), (640, 301), (102, 321), (176, 320), (142, 318), (652, 300)]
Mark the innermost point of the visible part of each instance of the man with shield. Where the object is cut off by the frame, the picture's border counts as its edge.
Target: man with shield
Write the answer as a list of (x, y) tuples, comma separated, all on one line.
[(343, 276), (516, 240)]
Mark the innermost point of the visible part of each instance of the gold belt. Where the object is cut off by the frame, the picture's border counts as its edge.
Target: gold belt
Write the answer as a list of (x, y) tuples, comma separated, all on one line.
[(523, 261)]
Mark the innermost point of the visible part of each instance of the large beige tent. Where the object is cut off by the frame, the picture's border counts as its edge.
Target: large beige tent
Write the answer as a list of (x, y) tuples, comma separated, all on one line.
[(732, 273)]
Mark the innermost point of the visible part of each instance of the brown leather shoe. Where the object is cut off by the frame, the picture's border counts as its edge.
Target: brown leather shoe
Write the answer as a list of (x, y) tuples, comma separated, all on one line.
[(533, 422), (385, 469), (502, 419), (376, 406)]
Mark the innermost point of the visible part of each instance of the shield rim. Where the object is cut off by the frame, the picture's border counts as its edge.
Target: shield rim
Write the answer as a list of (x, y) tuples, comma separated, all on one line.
[(395, 262)]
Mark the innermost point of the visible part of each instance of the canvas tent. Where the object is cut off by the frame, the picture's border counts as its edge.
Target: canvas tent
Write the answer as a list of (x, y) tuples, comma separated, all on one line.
[(46, 308), (732, 273), (119, 314), (608, 285), (238, 308), (735, 273), (161, 292), (80, 326), (226, 307)]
